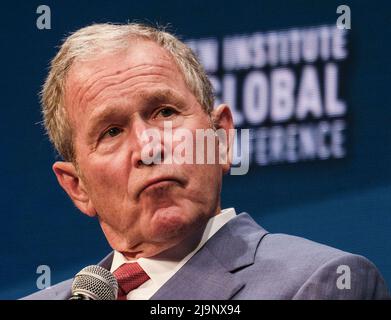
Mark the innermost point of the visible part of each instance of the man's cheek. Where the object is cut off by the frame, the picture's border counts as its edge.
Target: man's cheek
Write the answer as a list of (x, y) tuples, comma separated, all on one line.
[(106, 185)]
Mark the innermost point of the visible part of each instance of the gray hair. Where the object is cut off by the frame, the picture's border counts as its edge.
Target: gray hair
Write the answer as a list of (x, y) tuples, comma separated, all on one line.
[(109, 38)]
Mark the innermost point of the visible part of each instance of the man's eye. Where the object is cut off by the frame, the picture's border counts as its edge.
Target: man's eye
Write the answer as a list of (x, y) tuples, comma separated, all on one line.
[(112, 132), (166, 112)]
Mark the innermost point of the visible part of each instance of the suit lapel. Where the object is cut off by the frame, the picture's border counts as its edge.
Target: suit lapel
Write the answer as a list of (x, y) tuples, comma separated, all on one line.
[(107, 261), (190, 283), (214, 283), (210, 273)]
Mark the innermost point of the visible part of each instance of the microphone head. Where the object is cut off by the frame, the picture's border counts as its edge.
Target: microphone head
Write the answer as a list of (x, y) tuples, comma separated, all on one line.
[(96, 283)]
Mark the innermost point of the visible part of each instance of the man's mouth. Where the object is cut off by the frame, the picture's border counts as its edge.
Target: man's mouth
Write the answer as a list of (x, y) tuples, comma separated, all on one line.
[(159, 183)]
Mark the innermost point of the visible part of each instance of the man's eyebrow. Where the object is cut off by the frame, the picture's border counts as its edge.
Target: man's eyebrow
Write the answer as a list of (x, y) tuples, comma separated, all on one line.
[(161, 96)]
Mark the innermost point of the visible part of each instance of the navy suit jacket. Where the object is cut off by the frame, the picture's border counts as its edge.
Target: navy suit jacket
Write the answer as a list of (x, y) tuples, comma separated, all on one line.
[(244, 261)]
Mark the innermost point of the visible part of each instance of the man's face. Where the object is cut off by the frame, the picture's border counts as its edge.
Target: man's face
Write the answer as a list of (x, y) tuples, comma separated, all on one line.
[(143, 209)]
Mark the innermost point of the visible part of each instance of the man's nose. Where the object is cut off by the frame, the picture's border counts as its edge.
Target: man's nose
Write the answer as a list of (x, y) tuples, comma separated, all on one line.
[(140, 138)]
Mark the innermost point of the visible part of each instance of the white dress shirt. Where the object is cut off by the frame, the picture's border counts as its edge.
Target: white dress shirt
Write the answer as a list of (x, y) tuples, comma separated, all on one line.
[(161, 268)]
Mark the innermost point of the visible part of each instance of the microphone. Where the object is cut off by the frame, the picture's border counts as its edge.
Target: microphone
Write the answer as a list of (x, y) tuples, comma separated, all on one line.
[(94, 283)]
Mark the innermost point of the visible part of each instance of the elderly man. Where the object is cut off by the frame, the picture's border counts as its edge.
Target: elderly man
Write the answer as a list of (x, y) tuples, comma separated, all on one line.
[(107, 86)]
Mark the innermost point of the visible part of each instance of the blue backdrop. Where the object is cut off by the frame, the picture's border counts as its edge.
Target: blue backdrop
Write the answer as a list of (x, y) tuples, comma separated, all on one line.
[(342, 202)]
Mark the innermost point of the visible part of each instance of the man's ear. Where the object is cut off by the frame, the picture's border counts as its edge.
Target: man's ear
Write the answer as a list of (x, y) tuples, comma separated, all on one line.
[(222, 119), (70, 181)]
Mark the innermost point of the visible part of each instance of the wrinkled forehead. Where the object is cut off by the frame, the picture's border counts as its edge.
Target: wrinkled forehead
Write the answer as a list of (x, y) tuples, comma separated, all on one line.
[(141, 59), (137, 53)]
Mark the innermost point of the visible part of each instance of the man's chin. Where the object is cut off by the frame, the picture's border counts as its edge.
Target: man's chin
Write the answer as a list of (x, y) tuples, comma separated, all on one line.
[(169, 223)]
